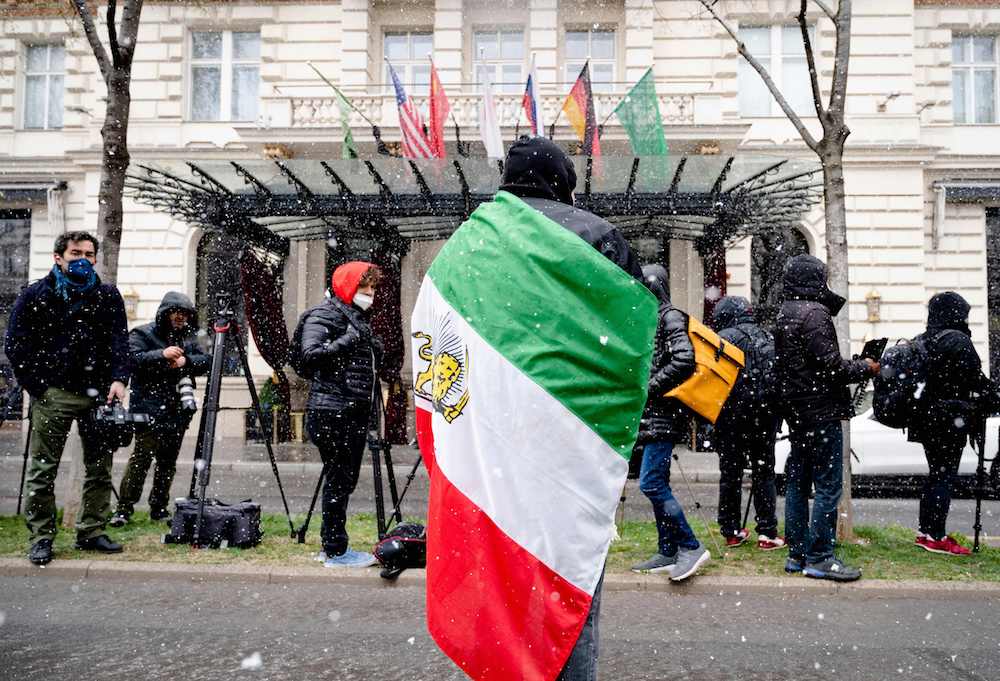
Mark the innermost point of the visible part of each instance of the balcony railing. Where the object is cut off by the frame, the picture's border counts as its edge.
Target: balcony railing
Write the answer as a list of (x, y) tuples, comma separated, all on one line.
[(319, 111)]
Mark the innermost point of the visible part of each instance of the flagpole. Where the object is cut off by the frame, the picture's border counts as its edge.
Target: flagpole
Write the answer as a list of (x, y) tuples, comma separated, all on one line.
[(337, 90)]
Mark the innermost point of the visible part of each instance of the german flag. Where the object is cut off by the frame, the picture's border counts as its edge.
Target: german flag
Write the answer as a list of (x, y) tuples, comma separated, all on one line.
[(579, 109)]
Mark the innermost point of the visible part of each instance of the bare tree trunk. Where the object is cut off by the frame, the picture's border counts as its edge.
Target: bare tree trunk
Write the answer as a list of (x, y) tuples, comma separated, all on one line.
[(115, 166), (116, 69), (836, 256)]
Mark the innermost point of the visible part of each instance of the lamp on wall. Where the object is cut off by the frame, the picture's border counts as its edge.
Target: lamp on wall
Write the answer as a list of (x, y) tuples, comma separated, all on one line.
[(873, 301), (131, 300)]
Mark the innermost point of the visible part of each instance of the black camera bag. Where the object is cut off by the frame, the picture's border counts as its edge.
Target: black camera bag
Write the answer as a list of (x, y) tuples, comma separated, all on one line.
[(222, 525), (405, 546)]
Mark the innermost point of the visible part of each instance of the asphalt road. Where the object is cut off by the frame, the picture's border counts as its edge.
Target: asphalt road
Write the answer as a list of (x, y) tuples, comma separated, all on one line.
[(54, 628)]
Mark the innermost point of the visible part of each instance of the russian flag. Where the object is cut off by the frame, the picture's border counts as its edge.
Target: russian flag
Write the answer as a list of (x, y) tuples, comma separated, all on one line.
[(532, 103)]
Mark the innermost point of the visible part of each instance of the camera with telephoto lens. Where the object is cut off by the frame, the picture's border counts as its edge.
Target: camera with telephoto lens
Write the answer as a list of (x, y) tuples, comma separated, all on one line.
[(185, 388)]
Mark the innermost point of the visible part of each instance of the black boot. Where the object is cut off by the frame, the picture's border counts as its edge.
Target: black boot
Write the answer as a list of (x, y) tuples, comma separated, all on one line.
[(101, 543), (41, 552)]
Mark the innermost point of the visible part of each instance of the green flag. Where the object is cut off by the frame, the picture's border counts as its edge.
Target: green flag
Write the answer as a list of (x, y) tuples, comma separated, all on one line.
[(639, 113), (348, 150)]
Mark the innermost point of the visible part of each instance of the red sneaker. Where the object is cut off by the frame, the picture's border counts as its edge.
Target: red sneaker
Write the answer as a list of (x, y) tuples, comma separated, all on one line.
[(947, 546), (738, 539), (765, 543), (955, 548)]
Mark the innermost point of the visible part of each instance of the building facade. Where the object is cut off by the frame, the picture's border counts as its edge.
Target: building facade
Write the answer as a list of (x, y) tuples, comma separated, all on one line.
[(234, 80)]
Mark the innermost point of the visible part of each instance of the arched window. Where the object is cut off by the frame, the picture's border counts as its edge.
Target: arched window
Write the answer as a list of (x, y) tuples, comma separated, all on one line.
[(768, 253), (218, 283)]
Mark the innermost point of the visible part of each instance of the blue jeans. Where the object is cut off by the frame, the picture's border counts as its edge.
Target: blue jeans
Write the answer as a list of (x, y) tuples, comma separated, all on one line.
[(816, 458), (654, 481), (582, 662)]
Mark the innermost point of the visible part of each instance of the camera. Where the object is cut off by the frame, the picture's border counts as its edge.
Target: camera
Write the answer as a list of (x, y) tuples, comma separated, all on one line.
[(185, 388), (116, 414)]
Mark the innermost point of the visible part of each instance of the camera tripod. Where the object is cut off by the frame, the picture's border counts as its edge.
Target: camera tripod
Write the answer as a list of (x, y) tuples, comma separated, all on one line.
[(985, 484), (225, 327)]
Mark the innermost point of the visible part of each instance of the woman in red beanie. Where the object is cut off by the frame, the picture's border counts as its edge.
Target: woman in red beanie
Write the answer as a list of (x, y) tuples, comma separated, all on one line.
[(340, 357)]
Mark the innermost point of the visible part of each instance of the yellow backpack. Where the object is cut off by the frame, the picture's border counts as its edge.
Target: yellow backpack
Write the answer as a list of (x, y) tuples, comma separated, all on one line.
[(717, 366)]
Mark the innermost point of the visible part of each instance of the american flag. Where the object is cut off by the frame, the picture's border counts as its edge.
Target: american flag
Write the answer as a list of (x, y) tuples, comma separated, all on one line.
[(415, 142)]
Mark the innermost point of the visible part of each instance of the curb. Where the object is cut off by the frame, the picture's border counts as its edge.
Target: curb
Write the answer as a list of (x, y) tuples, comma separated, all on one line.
[(252, 574)]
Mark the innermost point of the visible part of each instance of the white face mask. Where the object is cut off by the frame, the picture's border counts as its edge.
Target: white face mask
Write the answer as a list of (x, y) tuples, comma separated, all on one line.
[(363, 300)]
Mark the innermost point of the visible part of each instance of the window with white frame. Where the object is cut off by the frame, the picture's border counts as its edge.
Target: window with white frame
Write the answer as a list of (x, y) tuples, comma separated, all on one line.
[(44, 70), (225, 75), (409, 52), (974, 78), (500, 55), (596, 45), (780, 50)]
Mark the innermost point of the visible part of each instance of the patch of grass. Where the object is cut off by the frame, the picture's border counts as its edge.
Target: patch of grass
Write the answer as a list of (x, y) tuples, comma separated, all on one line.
[(882, 553), (142, 539), (885, 553)]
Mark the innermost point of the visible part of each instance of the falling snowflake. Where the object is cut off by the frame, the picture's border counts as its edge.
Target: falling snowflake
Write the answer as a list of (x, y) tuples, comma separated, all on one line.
[(334, 616), (254, 661), (411, 640)]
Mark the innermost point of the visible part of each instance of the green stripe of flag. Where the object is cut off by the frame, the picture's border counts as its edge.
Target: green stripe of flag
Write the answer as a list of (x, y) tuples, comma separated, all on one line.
[(558, 310)]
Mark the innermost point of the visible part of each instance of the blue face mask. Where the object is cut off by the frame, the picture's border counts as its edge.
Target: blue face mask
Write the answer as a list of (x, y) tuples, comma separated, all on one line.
[(79, 271)]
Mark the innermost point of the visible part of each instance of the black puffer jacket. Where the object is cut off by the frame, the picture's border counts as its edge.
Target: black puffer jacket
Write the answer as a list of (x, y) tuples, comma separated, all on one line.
[(154, 383), (541, 174), (80, 346), (956, 386), (341, 356), (734, 321), (666, 419), (812, 375)]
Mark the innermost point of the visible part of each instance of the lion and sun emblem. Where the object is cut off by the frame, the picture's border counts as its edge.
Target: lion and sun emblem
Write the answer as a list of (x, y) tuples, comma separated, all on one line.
[(445, 370)]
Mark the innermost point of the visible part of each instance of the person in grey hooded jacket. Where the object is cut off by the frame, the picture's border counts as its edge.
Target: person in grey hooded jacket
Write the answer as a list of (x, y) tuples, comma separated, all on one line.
[(163, 352)]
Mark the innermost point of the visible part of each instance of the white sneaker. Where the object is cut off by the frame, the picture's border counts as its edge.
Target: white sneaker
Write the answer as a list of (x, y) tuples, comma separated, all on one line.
[(765, 543), (320, 557)]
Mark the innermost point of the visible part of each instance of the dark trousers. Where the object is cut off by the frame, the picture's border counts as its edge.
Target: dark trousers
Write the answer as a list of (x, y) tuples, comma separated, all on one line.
[(582, 662), (52, 415), (943, 452), (340, 438), (654, 481), (160, 444), (816, 458), (736, 444)]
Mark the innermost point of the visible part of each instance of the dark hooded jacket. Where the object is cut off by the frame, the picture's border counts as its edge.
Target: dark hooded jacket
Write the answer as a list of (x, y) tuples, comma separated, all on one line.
[(154, 383), (812, 375), (542, 175), (665, 419), (77, 345), (955, 385), (339, 353), (734, 321)]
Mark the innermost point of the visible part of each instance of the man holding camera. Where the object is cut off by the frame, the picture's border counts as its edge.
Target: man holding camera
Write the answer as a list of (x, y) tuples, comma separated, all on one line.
[(166, 356), (67, 341)]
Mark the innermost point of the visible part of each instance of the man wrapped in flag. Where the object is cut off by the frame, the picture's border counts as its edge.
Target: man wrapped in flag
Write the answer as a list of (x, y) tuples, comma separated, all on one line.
[(532, 336)]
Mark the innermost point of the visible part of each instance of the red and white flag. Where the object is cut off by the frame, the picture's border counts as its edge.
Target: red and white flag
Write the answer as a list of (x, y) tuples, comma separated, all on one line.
[(415, 142)]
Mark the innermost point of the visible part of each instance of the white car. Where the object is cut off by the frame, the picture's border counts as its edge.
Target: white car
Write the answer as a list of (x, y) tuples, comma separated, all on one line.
[(884, 460)]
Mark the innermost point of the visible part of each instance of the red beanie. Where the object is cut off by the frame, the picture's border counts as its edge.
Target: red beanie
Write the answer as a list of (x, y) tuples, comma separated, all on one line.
[(346, 277)]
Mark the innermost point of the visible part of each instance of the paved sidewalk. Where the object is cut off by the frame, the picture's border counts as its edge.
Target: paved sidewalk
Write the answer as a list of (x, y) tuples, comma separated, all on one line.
[(263, 574)]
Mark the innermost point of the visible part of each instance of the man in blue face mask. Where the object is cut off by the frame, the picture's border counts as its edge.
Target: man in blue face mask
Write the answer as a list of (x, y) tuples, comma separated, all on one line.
[(67, 341)]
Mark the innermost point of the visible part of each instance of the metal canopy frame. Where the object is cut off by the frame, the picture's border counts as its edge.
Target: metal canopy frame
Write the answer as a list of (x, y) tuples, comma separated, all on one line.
[(706, 199)]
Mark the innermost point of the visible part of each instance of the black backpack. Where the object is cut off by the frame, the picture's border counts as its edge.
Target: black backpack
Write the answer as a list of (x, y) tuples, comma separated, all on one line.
[(405, 546), (900, 384), (759, 381), (295, 359)]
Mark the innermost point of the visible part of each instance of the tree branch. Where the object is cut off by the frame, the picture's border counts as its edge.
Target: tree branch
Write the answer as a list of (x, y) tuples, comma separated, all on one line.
[(841, 60), (810, 61), (793, 117), (131, 11), (95, 42), (826, 9), (116, 57)]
